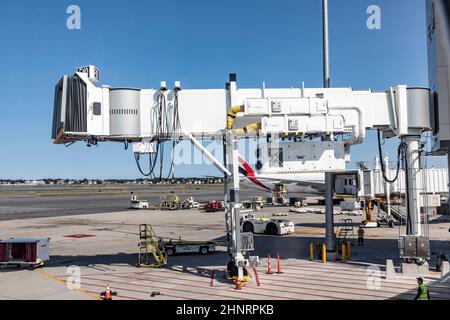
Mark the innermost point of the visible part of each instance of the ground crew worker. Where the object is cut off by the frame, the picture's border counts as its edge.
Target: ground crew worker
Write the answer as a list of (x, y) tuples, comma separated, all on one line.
[(422, 291), (361, 236)]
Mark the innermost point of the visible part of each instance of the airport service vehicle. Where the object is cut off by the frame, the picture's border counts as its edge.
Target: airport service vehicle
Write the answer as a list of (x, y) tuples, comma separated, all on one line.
[(190, 204), (172, 204), (250, 223), (176, 204), (385, 220), (154, 250), (32, 252), (135, 203), (182, 246), (214, 206), (256, 203)]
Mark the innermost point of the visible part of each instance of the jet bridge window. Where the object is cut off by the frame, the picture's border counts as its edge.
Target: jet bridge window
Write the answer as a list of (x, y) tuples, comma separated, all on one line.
[(97, 108)]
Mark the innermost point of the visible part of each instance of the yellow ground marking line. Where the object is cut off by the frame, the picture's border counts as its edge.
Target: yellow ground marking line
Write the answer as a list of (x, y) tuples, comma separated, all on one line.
[(322, 231), (64, 283), (309, 231)]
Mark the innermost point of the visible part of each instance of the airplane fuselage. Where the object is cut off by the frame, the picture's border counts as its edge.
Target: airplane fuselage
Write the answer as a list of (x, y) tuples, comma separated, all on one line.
[(304, 183)]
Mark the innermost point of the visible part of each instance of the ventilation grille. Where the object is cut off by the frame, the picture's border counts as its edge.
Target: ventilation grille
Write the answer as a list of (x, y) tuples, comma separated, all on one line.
[(124, 112)]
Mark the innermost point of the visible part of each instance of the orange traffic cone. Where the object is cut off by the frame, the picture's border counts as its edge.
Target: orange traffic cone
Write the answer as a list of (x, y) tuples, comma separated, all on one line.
[(238, 285), (269, 267), (279, 264), (107, 295)]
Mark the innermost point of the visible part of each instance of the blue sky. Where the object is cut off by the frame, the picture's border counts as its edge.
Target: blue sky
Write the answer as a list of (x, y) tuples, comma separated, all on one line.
[(138, 43)]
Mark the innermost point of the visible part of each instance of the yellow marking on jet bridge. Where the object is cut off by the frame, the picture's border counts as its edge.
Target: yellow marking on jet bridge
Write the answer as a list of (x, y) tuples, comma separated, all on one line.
[(64, 283)]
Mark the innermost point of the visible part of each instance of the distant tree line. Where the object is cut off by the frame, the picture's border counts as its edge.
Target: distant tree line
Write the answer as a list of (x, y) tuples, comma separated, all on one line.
[(54, 181)]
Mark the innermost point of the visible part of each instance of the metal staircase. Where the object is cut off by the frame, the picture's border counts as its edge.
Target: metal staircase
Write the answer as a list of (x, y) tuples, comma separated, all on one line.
[(151, 248), (345, 233)]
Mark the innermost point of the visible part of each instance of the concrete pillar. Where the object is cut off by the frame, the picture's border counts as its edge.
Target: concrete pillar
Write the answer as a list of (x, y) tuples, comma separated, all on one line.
[(390, 270), (445, 271)]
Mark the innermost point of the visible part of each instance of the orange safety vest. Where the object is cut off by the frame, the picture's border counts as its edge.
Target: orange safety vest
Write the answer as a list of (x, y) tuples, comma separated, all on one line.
[(108, 295)]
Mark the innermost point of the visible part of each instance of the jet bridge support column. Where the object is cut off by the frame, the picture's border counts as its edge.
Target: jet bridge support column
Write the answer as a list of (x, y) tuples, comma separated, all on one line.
[(448, 169), (412, 168), (225, 186), (387, 189), (329, 214), (232, 205), (415, 244)]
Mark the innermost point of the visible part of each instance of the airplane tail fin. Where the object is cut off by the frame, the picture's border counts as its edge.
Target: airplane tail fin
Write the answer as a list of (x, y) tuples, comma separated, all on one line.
[(249, 173), (245, 168)]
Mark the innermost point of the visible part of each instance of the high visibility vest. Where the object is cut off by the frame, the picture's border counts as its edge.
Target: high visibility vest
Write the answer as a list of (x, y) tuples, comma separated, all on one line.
[(107, 295), (424, 295)]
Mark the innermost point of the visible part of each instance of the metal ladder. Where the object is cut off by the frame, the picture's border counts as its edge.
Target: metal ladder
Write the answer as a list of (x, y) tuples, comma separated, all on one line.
[(345, 233), (151, 248)]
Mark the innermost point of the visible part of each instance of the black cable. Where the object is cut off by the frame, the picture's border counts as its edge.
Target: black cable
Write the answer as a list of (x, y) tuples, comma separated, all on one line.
[(161, 160), (165, 129), (161, 131), (175, 132), (136, 158), (175, 118), (152, 164), (401, 148), (160, 121)]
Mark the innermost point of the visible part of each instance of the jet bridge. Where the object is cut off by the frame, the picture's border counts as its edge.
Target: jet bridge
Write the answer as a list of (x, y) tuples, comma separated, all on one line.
[(326, 120), (85, 111)]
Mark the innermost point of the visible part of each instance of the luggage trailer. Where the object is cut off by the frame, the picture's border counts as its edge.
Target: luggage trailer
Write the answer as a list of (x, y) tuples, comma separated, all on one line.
[(31, 252)]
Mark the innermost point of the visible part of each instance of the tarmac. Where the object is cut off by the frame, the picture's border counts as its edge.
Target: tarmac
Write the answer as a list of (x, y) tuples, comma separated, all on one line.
[(32, 202), (104, 248)]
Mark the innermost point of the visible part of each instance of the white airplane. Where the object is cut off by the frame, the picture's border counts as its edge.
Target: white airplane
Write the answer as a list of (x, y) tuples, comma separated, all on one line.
[(302, 183)]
